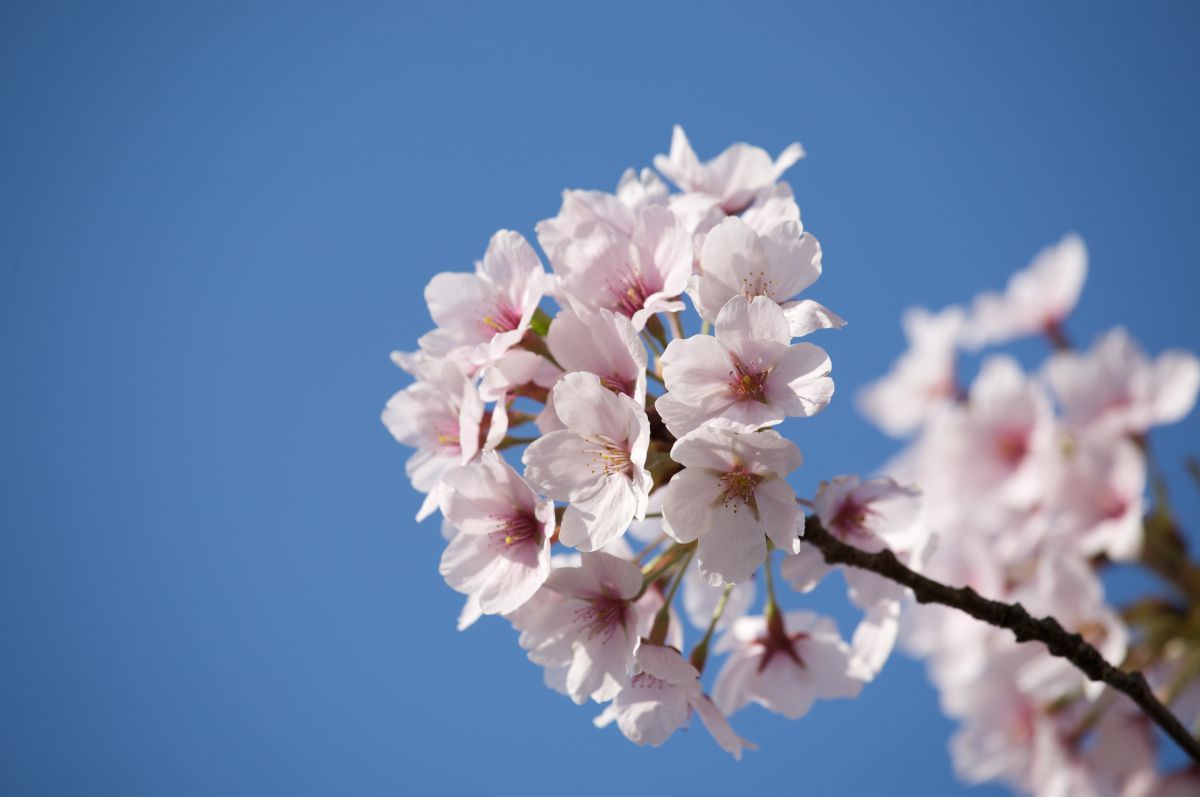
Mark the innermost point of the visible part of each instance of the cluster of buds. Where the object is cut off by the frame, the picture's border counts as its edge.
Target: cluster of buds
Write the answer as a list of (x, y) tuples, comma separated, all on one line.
[(1035, 483), (654, 472)]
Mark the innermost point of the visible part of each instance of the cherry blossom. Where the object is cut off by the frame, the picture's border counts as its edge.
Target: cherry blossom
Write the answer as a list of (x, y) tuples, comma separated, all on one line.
[(784, 666), (922, 380), (733, 178), (732, 496), (487, 312), (1036, 300), (660, 698), (637, 276), (747, 376), (1115, 389), (441, 416), (778, 263), (597, 463), (603, 343), (501, 553), (583, 623)]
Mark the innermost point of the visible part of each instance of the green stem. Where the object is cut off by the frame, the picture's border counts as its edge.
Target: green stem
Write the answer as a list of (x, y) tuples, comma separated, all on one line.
[(700, 652)]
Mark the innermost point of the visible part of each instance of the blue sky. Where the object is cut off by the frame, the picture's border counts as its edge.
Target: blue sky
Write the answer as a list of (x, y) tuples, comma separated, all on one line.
[(216, 221)]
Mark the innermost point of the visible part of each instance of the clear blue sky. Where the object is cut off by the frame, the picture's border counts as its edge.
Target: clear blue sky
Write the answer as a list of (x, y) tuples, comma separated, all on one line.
[(216, 220)]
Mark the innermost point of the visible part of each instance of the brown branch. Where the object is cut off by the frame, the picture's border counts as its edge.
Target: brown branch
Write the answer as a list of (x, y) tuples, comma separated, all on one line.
[(1012, 616)]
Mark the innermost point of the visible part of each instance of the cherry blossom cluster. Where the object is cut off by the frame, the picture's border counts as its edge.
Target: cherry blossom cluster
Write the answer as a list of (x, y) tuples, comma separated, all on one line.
[(1033, 484), (648, 467)]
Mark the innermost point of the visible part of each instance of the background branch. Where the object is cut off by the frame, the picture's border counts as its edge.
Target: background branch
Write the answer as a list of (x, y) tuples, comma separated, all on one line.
[(1012, 616)]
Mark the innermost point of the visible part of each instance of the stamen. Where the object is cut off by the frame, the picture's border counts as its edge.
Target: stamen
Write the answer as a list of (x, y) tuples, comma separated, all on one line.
[(608, 457), (747, 383), (515, 529)]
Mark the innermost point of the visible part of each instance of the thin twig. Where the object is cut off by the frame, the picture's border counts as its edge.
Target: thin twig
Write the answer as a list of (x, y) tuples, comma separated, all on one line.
[(1012, 616)]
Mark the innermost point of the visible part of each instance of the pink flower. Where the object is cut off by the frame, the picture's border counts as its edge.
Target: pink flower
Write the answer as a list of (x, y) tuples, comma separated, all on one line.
[(746, 377), (588, 221), (1000, 445), (597, 463), (700, 599), (501, 553), (487, 312), (604, 343), (733, 178), (922, 379), (441, 416), (1099, 500), (583, 625), (659, 699), (737, 260), (1037, 299), (1115, 389), (636, 274), (732, 496), (783, 667)]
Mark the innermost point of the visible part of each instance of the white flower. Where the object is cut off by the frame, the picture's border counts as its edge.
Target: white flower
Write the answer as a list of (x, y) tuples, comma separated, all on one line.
[(922, 379), (487, 312), (783, 668), (999, 446), (660, 698), (582, 625), (746, 377), (1115, 389), (636, 274), (1036, 300), (589, 221), (1099, 500), (733, 178), (732, 496), (597, 463), (604, 343), (501, 553), (737, 260), (442, 416)]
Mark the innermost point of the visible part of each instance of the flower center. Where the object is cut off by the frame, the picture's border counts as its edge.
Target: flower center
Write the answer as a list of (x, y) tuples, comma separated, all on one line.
[(756, 283), (738, 486), (601, 616), (608, 457), (515, 529), (630, 292), (1011, 446), (618, 384), (502, 319), (850, 520), (748, 383)]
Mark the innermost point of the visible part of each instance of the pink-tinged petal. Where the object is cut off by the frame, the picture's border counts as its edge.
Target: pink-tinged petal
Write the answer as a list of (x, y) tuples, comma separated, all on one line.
[(618, 577), (794, 261), (734, 547), (558, 465), (696, 366), (666, 664), (779, 515), (706, 447), (800, 382), (700, 600), (785, 688), (730, 692), (805, 569), (469, 614), (807, 316), (586, 407), (1176, 379), (688, 507), (733, 262), (719, 727), (743, 326), (603, 343), (596, 520), (662, 246), (873, 641), (453, 296), (680, 165)]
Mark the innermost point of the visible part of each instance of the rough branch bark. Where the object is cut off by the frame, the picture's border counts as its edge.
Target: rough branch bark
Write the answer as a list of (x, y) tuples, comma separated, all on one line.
[(1012, 616)]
